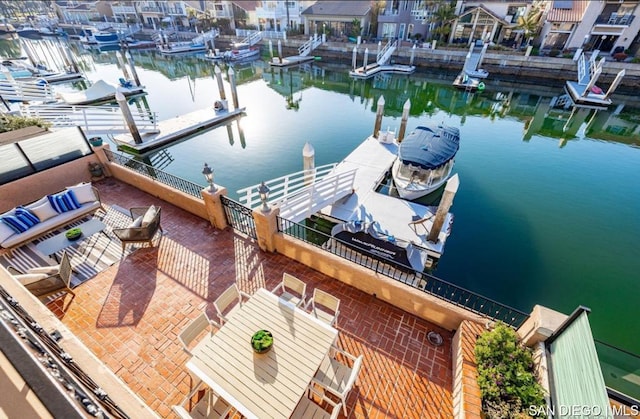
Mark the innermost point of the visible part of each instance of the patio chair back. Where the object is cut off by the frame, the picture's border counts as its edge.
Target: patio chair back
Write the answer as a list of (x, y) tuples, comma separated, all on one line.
[(225, 303), (57, 282), (193, 330), (291, 289), (210, 406), (143, 228), (337, 377), (324, 306), (307, 408)]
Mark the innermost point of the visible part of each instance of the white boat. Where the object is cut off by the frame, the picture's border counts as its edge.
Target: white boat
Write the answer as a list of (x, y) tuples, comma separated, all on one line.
[(465, 82), (181, 47), (241, 51), (425, 160), (99, 92)]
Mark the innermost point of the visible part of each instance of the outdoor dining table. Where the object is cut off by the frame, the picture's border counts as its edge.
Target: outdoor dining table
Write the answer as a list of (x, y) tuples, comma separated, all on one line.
[(263, 385)]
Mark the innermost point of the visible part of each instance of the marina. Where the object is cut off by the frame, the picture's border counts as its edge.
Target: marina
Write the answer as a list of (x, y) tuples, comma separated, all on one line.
[(494, 170)]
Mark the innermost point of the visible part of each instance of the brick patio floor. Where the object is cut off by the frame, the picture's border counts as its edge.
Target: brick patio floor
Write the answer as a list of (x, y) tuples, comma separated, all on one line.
[(130, 315)]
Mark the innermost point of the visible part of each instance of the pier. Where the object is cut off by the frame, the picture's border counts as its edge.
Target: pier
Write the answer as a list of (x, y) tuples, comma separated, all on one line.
[(174, 129), (381, 65)]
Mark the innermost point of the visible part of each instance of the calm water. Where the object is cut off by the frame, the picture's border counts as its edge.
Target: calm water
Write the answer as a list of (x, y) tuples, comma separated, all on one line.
[(543, 215)]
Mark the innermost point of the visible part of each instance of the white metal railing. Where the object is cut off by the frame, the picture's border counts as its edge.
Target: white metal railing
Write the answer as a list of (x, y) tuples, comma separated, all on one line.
[(205, 37), (385, 53), (92, 119), (243, 33), (310, 45), (284, 185), (253, 39), (274, 34), (296, 207), (26, 91)]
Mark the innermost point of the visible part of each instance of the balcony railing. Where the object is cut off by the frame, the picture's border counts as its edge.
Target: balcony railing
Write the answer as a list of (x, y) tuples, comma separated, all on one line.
[(123, 10), (387, 12), (427, 283), (158, 175), (615, 19)]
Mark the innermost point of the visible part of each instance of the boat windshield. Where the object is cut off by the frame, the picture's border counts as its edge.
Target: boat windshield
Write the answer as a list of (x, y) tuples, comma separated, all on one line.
[(427, 177)]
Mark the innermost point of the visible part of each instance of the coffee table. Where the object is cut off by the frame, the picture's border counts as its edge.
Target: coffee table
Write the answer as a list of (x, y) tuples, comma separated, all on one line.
[(58, 242)]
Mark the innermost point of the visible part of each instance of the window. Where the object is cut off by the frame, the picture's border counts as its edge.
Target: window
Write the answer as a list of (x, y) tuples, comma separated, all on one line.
[(388, 30)]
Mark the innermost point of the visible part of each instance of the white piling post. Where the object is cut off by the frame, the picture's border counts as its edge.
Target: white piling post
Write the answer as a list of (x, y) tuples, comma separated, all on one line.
[(413, 54), (234, 92), (379, 113), (218, 74), (366, 58), (379, 48), (132, 66), (308, 163), (128, 118), (354, 58), (123, 66), (445, 203), (280, 50), (403, 122), (271, 48)]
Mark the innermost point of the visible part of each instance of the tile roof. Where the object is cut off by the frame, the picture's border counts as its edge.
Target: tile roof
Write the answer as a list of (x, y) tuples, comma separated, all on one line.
[(338, 8), (574, 14)]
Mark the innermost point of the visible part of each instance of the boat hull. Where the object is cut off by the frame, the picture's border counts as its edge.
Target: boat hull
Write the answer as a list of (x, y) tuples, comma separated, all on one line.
[(411, 191)]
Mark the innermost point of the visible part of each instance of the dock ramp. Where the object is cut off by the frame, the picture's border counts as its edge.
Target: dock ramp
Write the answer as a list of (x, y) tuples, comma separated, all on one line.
[(303, 193)]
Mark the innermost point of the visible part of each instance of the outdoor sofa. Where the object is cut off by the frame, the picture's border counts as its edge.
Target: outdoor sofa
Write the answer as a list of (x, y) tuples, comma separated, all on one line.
[(18, 225)]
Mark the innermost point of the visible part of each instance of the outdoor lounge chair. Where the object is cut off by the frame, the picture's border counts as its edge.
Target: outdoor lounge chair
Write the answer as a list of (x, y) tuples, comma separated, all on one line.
[(47, 280), (210, 406), (226, 302), (143, 228), (336, 377), (291, 289), (324, 306)]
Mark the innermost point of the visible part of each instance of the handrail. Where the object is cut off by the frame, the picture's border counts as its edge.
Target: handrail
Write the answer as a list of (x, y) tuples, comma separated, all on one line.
[(437, 287), (158, 175), (284, 185), (380, 58)]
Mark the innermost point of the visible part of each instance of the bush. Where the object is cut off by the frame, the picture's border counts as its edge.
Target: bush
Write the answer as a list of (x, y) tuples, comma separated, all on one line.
[(554, 52), (12, 123), (620, 56), (506, 375)]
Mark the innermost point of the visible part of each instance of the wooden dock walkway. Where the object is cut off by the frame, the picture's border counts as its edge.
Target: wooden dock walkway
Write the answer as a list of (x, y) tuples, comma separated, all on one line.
[(174, 129)]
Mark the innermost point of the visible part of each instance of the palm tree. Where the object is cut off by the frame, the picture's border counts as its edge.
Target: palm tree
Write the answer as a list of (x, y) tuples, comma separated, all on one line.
[(530, 23), (442, 17)]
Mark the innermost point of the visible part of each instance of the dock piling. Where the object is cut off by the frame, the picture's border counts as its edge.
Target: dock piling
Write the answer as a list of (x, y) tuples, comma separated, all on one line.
[(403, 122), (354, 58), (234, 93), (279, 51), (123, 66), (128, 118), (379, 112), (366, 58), (132, 66), (443, 209), (413, 54), (308, 163), (271, 49), (218, 73)]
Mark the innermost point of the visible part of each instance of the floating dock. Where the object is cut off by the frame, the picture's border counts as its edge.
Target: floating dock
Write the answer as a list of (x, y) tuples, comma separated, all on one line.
[(395, 216), (373, 69), (174, 129), (290, 61)]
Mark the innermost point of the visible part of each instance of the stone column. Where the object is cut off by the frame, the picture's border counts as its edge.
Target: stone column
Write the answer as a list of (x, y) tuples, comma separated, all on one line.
[(266, 227), (213, 205)]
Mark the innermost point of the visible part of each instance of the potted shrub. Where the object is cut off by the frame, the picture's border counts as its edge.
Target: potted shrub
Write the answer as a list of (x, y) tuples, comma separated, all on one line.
[(262, 341), (506, 376), (95, 169), (95, 141)]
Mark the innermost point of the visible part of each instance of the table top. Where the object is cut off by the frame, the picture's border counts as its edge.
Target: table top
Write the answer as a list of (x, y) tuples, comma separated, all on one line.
[(60, 241), (271, 384)]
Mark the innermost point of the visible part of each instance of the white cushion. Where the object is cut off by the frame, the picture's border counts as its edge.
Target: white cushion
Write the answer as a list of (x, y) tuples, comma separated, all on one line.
[(38, 202), (136, 223), (27, 279), (148, 216), (5, 232), (84, 192), (44, 211)]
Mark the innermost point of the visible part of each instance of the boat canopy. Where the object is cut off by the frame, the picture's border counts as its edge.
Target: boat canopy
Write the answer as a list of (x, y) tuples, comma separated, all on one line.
[(429, 148)]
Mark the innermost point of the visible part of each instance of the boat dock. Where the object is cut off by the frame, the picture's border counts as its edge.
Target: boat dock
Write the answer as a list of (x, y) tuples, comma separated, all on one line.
[(395, 217), (290, 61), (373, 69), (174, 129)]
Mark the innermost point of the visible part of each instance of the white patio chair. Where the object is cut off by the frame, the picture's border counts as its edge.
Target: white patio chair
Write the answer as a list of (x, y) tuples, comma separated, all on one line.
[(307, 408), (324, 306), (291, 289), (210, 406), (336, 377), (194, 329), (225, 303)]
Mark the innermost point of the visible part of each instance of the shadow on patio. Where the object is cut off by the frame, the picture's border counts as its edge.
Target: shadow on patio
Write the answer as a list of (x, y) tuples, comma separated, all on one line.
[(130, 314)]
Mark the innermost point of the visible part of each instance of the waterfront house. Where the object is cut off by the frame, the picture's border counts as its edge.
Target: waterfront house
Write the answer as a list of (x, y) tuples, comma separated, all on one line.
[(82, 12), (280, 15), (338, 18), (489, 22), (406, 20)]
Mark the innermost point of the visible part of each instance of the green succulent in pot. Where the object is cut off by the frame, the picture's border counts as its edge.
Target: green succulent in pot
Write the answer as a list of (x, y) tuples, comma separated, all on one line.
[(262, 341), (73, 234)]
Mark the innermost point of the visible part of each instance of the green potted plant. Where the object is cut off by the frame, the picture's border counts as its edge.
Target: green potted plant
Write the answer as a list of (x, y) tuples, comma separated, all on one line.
[(262, 341), (73, 234)]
